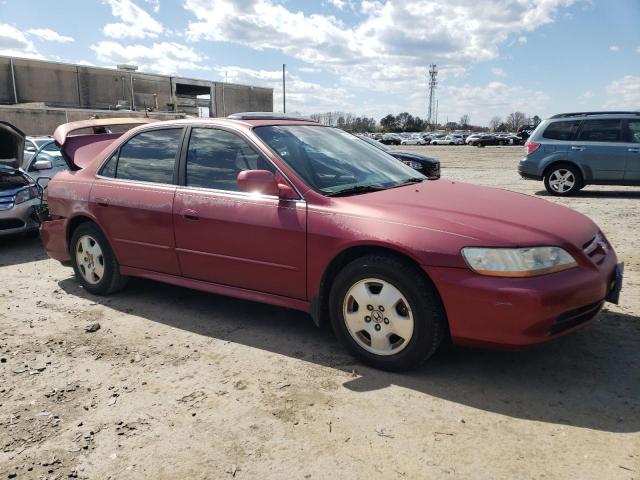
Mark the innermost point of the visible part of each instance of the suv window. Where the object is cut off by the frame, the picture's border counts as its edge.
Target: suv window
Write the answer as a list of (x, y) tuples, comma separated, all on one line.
[(215, 157), (633, 131), (147, 157), (600, 131), (561, 130)]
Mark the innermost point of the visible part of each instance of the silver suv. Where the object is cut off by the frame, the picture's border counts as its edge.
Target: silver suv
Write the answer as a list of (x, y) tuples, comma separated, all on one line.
[(571, 150)]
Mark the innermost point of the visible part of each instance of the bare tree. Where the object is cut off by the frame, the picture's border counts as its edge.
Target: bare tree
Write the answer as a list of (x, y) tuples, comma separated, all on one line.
[(516, 120), (464, 120), (494, 123)]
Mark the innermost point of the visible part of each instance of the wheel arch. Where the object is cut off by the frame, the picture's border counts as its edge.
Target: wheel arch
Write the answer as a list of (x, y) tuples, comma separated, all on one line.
[(320, 302), (584, 173)]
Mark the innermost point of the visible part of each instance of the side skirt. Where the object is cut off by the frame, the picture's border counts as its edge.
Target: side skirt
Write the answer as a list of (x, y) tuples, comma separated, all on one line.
[(218, 289)]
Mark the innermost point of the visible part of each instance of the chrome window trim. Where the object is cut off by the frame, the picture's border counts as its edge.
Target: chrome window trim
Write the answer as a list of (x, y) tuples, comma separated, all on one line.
[(244, 195)]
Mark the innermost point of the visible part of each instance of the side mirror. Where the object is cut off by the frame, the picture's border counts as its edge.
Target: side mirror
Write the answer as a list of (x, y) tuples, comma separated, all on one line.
[(260, 181), (42, 165)]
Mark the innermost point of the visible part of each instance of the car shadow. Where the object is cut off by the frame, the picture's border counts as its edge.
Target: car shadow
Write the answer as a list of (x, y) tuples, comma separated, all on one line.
[(21, 248), (597, 194), (589, 379)]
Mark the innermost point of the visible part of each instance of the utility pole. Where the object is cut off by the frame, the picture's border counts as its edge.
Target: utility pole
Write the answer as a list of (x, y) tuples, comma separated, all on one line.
[(284, 90), (433, 82)]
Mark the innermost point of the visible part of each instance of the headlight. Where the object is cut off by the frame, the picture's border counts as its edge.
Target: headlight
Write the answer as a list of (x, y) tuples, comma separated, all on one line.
[(412, 164), (517, 262), (26, 194)]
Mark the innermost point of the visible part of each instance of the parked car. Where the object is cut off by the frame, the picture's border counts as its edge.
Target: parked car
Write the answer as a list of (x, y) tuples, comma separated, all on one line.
[(285, 211), (414, 140), (33, 144), (482, 140), (448, 140), (391, 139), (19, 196), (45, 163), (571, 150), (428, 166)]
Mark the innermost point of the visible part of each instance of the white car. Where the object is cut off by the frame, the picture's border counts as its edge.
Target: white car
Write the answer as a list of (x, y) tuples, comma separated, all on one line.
[(448, 140), (413, 141)]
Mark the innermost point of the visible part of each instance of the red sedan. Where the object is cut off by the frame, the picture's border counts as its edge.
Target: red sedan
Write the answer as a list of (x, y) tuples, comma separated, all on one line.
[(289, 212)]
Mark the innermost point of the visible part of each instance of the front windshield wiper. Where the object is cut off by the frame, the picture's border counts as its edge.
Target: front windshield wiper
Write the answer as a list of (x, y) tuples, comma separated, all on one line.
[(356, 190), (409, 181)]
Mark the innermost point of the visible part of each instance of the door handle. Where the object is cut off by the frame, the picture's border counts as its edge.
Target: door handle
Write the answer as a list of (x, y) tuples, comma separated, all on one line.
[(634, 150), (102, 202), (580, 149), (190, 214)]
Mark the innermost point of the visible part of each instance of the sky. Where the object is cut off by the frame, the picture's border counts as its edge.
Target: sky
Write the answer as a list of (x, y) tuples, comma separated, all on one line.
[(367, 57)]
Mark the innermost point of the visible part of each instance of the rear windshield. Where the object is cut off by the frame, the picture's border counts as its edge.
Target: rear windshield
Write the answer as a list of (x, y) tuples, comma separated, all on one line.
[(561, 130)]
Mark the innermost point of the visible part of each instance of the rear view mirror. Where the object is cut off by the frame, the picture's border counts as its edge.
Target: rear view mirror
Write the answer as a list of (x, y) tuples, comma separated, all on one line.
[(42, 165), (260, 181)]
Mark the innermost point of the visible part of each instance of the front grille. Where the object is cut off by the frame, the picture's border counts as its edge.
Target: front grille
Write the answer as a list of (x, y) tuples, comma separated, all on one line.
[(575, 317), (9, 223), (596, 249)]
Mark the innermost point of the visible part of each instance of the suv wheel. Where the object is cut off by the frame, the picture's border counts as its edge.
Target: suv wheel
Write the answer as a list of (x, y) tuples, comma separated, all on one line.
[(386, 312), (563, 180), (93, 261)]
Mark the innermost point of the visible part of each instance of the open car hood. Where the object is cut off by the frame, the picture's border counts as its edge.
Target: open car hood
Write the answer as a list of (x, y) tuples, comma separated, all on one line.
[(78, 150), (11, 145)]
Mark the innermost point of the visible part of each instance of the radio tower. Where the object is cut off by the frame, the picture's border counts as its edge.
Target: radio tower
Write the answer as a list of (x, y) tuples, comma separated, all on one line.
[(433, 82)]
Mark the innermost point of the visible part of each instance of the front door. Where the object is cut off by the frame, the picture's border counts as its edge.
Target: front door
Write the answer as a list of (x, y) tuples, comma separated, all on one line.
[(229, 237), (132, 199), (632, 172), (599, 149)]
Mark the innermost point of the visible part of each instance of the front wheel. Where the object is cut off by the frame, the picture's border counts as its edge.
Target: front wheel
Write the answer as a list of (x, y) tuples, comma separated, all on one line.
[(387, 312)]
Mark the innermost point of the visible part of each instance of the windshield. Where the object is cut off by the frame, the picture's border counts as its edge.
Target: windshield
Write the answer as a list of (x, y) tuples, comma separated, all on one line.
[(375, 143), (332, 161)]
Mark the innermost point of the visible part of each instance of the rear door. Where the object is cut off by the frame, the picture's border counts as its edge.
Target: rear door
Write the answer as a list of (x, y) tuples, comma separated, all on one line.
[(229, 237), (632, 171), (132, 198), (599, 149)]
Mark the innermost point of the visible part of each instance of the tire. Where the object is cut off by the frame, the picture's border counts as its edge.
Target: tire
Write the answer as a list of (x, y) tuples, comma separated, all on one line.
[(96, 268), (563, 180), (419, 303)]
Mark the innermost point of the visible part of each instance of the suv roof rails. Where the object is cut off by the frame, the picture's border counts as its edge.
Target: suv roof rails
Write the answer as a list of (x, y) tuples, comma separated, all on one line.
[(268, 116), (586, 114)]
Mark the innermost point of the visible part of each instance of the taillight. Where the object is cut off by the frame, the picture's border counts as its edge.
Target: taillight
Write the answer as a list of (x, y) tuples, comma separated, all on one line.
[(531, 147)]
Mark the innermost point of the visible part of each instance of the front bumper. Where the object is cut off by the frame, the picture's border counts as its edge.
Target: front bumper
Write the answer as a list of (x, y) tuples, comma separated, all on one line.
[(517, 312), (19, 218)]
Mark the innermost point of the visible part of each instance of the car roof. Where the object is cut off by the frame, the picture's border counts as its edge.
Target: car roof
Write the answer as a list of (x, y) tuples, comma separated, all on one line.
[(594, 115)]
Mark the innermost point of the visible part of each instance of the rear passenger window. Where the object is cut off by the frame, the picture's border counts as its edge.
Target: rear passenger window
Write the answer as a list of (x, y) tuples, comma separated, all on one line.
[(561, 130), (633, 131), (600, 131), (149, 156), (215, 157), (109, 169)]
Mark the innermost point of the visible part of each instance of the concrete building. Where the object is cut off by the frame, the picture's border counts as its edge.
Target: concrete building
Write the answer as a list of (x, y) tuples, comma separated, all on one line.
[(35, 94)]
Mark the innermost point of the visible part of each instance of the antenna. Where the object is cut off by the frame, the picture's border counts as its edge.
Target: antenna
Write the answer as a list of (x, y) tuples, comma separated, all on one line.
[(433, 82)]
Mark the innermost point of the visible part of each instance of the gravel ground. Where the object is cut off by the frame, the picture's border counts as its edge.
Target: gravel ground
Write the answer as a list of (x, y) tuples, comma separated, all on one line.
[(182, 384)]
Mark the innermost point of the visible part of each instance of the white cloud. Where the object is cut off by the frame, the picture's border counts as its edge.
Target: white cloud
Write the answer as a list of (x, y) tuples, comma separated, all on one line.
[(586, 95), (389, 48), (134, 21), (339, 4), (498, 72), (302, 96), (162, 57), (522, 40), (614, 48), (49, 35), (309, 69), (624, 93), (638, 50), (14, 43)]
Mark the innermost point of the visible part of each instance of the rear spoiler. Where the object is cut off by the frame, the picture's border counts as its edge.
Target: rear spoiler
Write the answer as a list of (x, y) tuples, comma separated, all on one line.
[(79, 150)]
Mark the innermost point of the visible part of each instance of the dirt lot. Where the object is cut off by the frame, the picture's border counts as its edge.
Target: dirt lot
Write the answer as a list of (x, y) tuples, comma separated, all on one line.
[(182, 384)]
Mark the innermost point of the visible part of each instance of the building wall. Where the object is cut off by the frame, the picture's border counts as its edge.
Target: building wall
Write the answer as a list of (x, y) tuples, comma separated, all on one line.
[(76, 86)]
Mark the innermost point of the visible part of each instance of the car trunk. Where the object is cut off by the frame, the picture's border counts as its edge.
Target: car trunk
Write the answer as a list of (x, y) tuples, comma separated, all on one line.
[(11, 145)]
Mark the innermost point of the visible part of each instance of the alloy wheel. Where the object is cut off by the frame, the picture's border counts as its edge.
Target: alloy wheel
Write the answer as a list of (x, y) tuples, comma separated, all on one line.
[(562, 180)]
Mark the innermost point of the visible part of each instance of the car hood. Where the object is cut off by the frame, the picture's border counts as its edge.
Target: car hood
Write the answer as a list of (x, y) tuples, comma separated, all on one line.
[(471, 215)]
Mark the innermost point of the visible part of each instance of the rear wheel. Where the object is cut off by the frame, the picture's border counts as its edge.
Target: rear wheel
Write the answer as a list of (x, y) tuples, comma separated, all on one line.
[(563, 180), (387, 312), (93, 261)]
